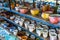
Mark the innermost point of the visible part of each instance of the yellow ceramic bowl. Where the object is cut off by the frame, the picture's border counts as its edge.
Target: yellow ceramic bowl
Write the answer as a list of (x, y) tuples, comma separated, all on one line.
[(45, 16), (34, 12)]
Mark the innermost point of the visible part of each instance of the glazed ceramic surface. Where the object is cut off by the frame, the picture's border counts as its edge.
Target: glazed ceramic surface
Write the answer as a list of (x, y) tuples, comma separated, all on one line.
[(34, 12), (54, 18)]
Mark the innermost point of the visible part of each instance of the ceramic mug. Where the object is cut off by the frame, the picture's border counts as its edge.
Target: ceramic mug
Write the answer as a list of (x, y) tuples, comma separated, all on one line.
[(31, 27), (53, 36), (45, 33), (39, 31), (51, 31)]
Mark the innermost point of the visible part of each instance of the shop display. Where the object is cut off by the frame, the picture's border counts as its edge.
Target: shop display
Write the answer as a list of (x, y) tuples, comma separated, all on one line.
[(42, 30), (29, 20), (5, 33), (11, 29)]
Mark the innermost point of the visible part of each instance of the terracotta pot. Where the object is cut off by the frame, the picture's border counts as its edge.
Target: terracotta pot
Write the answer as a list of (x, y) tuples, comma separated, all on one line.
[(23, 10), (34, 12), (44, 8), (54, 18), (24, 37)]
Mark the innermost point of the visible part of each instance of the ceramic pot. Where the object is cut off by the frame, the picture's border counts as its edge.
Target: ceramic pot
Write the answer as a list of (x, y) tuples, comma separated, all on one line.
[(39, 31), (31, 27), (45, 15), (44, 8), (59, 19), (53, 36), (54, 18), (23, 10), (24, 37), (45, 33), (34, 12)]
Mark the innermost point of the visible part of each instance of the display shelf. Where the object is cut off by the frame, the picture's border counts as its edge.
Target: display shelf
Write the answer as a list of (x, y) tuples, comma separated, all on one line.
[(6, 35), (32, 18), (40, 38)]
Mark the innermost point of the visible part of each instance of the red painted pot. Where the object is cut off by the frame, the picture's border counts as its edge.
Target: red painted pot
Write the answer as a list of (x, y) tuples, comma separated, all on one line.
[(23, 10), (54, 18)]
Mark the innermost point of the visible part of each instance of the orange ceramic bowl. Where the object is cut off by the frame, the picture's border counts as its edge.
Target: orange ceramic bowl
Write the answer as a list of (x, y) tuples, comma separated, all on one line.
[(24, 37)]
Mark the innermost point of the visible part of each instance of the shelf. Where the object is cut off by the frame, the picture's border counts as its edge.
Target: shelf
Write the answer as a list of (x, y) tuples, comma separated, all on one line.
[(32, 18), (21, 27), (6, 35)]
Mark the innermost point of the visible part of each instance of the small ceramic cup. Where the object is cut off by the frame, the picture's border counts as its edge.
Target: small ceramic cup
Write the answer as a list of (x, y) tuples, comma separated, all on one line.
[(39, 31), (51, 31), (45, 33), (31, 27), (53, 36)]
